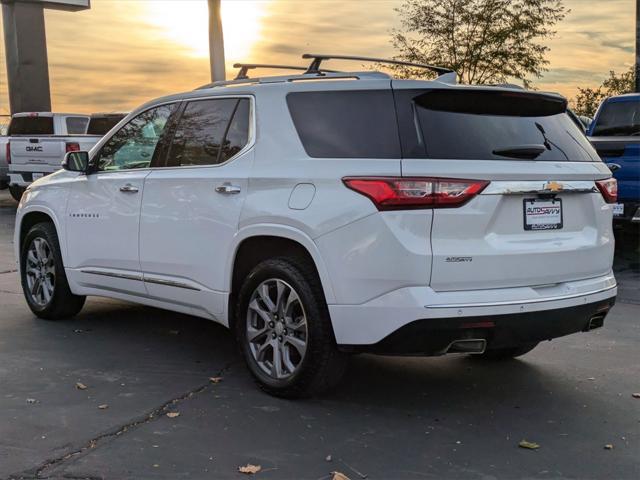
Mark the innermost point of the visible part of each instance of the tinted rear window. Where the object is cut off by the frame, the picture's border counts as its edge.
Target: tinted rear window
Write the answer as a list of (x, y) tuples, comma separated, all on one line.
[(476, 124), (618, 119), (101, 125), (31, 126), (346, 124)]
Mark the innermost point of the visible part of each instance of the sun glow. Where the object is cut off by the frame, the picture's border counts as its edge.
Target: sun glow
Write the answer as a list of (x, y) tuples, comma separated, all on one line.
[(186, 23)]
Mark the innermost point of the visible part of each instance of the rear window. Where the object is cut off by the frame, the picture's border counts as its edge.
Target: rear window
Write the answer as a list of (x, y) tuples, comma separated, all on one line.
[(76, 125), (31, 126), (618, 119), (101, 125), (346, 124), (491, 125)]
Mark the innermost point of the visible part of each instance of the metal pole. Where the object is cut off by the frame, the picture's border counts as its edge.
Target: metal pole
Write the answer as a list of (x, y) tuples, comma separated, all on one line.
[(216, 41), (637, 46), (25, 45)]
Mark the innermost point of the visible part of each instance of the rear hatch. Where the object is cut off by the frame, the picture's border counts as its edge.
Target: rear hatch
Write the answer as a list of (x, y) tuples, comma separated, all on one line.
[(541, 220), (33, 142)]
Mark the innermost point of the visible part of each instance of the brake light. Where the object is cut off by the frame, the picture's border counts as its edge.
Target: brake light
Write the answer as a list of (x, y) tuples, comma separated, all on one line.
[(609, 189), (398, 193), (8, 150), (72, 147)]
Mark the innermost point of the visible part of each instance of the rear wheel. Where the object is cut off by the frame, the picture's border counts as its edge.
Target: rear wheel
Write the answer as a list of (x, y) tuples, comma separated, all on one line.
[(44, 281), (506, 353), (16, 192), (284, 330)]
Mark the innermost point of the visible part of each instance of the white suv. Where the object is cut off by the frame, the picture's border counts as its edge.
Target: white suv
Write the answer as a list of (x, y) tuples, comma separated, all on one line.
[(322, 214)]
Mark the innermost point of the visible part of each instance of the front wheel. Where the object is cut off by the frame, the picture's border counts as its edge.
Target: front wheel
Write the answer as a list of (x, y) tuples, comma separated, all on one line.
[(284, 330), (16, 192), (44, 281)]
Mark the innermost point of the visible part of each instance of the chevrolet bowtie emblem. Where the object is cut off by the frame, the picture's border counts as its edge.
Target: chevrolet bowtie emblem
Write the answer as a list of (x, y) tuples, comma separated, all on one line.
[(554, 186)]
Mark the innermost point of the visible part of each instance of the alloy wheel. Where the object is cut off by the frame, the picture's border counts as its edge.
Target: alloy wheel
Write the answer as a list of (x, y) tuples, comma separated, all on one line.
[(40, 272), (277, 330)]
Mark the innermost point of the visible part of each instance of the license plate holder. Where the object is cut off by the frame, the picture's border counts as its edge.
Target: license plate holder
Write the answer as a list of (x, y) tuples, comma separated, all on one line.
[(542, 214)]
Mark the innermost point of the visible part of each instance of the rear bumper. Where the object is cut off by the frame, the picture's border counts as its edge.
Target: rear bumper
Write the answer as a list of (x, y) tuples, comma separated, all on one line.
[(370, 323), (435, 336)]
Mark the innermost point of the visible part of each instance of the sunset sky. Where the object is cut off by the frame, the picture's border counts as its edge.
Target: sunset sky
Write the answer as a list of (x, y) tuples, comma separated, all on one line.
[(124, 52)]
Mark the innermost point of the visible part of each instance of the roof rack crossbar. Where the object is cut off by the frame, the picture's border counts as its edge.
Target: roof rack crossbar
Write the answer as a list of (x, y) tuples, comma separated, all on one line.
[(317, 59), (245, 67)]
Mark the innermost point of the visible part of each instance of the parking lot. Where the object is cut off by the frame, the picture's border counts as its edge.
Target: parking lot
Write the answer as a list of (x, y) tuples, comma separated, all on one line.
[(89, 398)]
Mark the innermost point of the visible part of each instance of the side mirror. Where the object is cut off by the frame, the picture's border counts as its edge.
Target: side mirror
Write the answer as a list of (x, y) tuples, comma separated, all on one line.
[(614, 167), (76, 162)]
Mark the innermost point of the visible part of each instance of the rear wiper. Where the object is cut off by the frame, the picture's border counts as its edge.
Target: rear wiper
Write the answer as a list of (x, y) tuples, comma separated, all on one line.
[(521, 151)]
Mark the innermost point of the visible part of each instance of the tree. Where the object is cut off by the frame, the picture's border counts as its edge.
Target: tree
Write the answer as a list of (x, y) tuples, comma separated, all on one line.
[(484, 41), (588, 99)]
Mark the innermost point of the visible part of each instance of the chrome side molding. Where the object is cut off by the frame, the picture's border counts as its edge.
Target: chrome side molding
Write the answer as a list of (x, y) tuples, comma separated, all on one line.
[(141, 278)]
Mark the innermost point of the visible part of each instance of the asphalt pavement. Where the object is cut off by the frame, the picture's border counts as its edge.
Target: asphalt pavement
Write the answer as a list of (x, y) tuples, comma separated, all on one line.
[(125, 392)]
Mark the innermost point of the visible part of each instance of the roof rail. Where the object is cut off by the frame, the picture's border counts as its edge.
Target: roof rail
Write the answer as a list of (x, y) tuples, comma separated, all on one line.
[(314, 67), (245, 67)]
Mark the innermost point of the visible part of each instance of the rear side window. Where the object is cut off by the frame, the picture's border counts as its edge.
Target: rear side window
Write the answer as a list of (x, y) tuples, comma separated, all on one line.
[(101, 125), (210, 132), (346, 124), (618, 119), (35, 125), (488, 125), (76, 125)]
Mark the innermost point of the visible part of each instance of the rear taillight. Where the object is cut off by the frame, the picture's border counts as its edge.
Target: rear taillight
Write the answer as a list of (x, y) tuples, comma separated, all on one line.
[(8, 150), (397, 193), (609, 189), (72, 147)]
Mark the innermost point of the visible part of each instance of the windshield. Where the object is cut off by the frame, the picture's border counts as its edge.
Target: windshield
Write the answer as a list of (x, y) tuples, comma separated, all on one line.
[(618, 119)]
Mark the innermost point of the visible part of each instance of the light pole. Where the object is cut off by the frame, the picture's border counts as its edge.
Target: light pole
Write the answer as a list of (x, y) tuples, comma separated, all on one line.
[(637, 46), (216, 41)]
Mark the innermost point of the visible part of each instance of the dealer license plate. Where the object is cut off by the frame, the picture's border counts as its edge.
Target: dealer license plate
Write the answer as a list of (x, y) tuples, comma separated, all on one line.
[(542, 214), (618, 209)]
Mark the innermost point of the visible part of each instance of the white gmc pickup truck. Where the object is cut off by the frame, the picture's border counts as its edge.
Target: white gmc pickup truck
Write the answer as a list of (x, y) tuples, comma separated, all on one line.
[(38, 142)]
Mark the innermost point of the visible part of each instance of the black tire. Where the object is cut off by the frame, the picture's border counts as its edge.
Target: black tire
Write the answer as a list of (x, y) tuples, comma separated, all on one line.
[(61, 303), (506, 353), (322, 365), (16, 192)]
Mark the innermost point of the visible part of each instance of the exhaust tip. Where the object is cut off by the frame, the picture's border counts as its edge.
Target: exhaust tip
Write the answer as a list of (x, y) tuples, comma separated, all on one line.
[(468, 345), (596, 321)]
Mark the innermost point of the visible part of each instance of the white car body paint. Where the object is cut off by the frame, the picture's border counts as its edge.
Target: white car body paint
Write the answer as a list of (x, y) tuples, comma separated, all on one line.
[(173, 243)]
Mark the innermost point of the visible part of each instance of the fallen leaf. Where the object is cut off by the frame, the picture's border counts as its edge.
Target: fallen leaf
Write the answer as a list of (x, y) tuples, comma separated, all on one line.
[(215, 379), (591, 378), (529, 445), (31, 400), (104, 406), (328, 458), (250, 469), (608, 446), (635, 395), (173, 414), (339, 476), (81, 386)]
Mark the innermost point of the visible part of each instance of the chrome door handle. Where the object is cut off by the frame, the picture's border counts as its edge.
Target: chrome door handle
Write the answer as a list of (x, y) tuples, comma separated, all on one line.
[(128, 188), (227, 188)]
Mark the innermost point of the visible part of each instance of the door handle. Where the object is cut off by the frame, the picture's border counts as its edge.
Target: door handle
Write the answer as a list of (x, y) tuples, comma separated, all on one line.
[(227, 188), (128, 188)]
